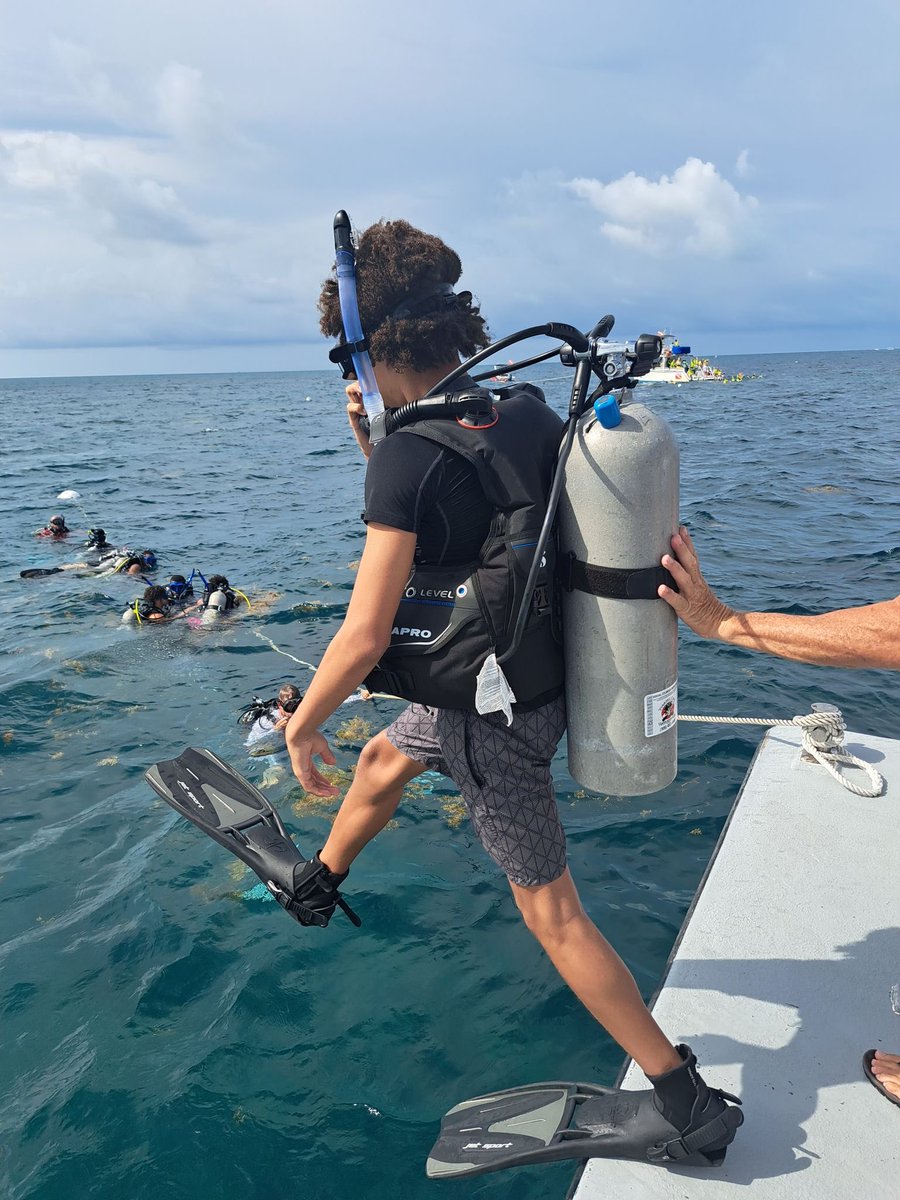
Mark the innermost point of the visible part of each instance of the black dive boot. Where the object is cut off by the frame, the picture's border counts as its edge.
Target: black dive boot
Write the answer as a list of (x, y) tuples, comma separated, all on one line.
[(704, 1116), (315, 895)]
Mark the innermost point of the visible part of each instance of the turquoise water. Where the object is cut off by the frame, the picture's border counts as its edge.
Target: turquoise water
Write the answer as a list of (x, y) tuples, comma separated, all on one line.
[(161, 1036)]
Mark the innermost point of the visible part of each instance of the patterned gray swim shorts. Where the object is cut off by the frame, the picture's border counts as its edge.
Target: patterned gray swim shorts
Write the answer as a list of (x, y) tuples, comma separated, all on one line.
[(503, 774)]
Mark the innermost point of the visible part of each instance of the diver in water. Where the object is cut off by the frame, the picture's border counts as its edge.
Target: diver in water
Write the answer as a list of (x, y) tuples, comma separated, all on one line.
[(135, 564), (219, 597), (180, 590), (429, 516), (55, 528), (153, 605), (268, 719), (101, 558), (97, 541), (100, 551)]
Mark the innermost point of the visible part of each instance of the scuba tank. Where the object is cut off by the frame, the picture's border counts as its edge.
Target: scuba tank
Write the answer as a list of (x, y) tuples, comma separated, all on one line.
[(618, 511), (615, 493)]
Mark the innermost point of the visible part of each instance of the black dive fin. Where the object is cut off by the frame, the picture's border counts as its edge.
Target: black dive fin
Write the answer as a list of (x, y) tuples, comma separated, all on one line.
[(39, 572), (212, 795), (548, 1122)]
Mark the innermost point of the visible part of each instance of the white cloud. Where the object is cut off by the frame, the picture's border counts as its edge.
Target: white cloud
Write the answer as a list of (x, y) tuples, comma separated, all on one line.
[(167, 175), (187, 108), (91, 87), (110, 185), (693, 211)]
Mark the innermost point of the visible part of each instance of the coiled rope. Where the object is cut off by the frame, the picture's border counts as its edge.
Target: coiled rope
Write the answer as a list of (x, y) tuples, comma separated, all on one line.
[(823, 740)]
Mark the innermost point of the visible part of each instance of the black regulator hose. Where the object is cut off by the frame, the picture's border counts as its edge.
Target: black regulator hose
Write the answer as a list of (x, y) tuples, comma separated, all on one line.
[(568, 334), (579, 391)]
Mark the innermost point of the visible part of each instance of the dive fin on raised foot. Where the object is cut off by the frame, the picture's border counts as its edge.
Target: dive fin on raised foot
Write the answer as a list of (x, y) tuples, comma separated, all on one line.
[(39, 572), (550, 1122), (227, 807)]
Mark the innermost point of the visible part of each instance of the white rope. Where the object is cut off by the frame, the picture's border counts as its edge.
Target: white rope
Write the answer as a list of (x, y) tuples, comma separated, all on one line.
[(311, 667), (278, 650), (823, 740)]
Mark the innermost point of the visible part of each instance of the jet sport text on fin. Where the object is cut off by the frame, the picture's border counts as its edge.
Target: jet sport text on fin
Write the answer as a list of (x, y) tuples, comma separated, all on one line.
[(215, 798), (549, 1122)]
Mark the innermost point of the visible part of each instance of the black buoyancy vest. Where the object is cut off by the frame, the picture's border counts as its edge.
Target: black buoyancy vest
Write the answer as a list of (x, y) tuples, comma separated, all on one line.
[(452, 617)]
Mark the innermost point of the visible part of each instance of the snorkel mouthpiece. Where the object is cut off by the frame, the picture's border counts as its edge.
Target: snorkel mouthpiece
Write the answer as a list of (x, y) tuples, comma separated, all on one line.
[(345, 265)]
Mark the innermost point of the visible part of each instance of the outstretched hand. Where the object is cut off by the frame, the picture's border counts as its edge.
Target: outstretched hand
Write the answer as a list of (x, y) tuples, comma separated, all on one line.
[(695, 601), (302, 749)]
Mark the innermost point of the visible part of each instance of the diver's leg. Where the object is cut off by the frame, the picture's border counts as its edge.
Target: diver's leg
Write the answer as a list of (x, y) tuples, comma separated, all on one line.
[(504, 776), (381, 775), (386, 765), (593, 970)]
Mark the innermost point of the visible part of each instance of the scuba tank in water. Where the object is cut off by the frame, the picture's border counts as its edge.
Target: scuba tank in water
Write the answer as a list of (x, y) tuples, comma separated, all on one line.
[(617, 514)]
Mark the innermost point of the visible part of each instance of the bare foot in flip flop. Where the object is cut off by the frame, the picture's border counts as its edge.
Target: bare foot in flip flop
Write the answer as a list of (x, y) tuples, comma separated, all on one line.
[(883, 1071)]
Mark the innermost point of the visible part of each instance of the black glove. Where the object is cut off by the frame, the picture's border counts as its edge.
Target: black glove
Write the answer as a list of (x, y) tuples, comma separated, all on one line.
[(316, 894)]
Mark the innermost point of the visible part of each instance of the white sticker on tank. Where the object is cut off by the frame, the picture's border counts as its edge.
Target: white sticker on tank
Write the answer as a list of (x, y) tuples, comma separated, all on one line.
[(661, 710)]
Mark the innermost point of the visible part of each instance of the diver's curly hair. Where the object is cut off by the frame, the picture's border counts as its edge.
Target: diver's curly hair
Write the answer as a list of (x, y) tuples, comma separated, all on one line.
[(395, 261)]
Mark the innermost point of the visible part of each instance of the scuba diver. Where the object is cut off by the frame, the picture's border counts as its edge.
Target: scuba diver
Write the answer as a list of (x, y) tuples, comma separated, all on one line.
[(96, 540), (55, 528), (135, 564), (153, 605), (180, 590), (219, 597), (100, 551), (453, 609), (267, 720), (101, 558), (434, 505)]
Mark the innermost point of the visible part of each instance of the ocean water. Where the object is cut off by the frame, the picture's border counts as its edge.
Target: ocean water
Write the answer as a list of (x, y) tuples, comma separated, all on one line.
[(162, 1035)]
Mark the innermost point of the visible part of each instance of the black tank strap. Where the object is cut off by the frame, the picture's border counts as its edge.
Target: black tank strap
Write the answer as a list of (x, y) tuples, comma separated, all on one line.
[(615, 583)]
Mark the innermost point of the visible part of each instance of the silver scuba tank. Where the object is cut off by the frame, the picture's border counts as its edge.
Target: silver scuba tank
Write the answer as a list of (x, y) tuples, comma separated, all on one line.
[(215, 606), (618, 511)]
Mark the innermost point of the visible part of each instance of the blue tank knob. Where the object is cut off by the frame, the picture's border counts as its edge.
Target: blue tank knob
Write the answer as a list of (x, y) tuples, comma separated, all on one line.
[(608, 412)]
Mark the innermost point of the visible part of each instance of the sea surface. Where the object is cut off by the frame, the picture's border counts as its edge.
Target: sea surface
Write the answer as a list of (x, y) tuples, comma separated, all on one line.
[(162, 1035)]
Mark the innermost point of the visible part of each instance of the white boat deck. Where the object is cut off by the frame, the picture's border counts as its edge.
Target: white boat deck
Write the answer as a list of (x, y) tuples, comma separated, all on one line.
[(781, 980)]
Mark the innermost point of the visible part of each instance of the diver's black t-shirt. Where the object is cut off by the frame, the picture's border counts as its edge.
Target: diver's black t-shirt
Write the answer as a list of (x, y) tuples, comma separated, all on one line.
[(417, 486)]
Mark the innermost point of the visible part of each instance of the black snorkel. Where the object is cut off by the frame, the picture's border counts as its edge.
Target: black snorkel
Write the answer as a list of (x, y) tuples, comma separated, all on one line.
[(356, 344)]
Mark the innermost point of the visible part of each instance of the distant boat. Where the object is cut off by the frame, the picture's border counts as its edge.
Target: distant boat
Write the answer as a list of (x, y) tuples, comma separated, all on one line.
[(675, 366), (502, 374)]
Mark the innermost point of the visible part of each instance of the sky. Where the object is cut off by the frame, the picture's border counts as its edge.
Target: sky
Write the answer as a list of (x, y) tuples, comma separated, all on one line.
[(169, 171)]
